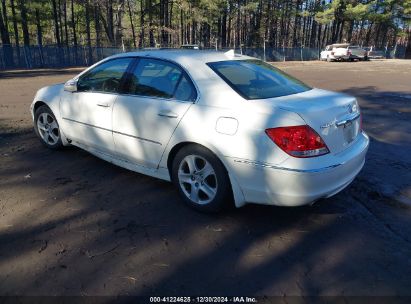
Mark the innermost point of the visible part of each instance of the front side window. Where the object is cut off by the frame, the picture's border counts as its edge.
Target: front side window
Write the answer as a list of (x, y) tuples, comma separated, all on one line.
[(255, 79), (158, 78), (105, 77)]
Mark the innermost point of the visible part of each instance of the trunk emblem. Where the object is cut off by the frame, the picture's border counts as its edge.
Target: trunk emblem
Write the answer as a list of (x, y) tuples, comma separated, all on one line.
[(352, 108), (327, 125)]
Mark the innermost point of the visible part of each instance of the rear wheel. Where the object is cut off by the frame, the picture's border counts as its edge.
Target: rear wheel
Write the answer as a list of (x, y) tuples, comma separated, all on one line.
[(47, 128), (201, 179)]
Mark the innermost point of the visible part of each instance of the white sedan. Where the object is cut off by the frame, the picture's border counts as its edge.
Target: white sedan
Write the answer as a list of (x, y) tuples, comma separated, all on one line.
[(224, 128)]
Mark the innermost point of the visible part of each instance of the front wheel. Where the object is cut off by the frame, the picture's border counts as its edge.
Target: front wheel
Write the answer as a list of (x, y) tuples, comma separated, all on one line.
[(47, 128), (201, 179)]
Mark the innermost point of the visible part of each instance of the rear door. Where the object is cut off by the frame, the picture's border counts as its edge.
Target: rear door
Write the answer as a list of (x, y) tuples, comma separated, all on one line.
[(87, 113), (157, 95)]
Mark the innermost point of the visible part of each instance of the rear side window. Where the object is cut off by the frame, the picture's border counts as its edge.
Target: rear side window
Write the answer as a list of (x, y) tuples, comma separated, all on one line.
[(255, 79), (105, 77), (158, 78)]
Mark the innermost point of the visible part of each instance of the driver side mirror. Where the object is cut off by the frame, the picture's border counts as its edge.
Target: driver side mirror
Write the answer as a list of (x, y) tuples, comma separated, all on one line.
[(70, 86)]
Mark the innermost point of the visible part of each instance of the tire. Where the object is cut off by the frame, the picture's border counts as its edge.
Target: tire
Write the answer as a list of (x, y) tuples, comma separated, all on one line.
[(201, 179), (47, 128)]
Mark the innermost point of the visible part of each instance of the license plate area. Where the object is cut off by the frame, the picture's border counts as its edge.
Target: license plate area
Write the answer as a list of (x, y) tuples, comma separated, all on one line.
[(351, 130)]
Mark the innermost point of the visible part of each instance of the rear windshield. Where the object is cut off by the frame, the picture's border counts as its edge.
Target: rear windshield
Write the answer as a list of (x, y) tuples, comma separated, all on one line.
[(255, 79)]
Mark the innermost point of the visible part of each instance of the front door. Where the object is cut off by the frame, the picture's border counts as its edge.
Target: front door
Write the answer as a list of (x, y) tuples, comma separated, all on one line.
[(87, 113)]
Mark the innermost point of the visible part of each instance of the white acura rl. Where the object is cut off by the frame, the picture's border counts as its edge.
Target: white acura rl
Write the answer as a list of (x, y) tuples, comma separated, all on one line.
[(222, 127)]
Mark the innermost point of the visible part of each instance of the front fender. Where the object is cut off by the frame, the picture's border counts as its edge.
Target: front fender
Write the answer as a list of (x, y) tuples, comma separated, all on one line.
[(50, 96)]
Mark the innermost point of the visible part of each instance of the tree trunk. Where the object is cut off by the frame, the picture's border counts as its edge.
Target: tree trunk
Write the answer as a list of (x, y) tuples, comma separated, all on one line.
[(65, 22), (341, 32), (141, 42), (56, 23), (60, 22), (97, 27), (5, 18), (170, 24), (131, 24), (16, 30), (408, 48), (238, 31), (223, 37), (118, 28), (88, 33), (313, 33), (110, 22), (181, 26), (296, 24), (24, 26), (5, 37), (350, 31), (150, 23), (39, 29), (73, 24)]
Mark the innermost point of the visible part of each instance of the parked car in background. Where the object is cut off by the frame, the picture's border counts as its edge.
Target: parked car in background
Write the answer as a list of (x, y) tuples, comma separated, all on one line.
[(372, 53), (343, 52), (190, 47), (222, 127), (335, 52), (357, 53)]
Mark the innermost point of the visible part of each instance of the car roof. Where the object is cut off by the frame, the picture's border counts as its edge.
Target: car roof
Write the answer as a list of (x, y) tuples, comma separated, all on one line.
[(186, 57)]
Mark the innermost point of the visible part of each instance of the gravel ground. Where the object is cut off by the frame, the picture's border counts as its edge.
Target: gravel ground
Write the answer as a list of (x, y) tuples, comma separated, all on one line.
[(71, 224)]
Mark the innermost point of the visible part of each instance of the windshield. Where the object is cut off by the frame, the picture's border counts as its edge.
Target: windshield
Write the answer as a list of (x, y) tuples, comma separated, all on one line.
[(255, 79)]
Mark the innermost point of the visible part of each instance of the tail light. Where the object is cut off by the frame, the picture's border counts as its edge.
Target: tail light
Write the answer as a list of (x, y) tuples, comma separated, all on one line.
[(298, 141)]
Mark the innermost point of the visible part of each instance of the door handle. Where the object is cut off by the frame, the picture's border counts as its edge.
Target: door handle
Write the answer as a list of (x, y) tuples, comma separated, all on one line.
[(103, 105), (168, 114)]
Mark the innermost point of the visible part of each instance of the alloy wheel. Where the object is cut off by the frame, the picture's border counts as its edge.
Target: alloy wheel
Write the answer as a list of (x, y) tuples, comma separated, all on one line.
[(48, 128), (197, 179)]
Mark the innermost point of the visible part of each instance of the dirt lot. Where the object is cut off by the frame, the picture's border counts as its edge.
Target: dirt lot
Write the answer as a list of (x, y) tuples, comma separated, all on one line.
[(71, 224)]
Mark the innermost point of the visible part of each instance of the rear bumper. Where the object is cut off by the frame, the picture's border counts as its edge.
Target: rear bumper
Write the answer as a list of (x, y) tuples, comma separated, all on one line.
[(341, 57), (263, 183)]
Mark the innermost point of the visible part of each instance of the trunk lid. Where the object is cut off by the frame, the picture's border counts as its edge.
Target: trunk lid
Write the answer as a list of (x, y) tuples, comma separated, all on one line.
[(334, 116)]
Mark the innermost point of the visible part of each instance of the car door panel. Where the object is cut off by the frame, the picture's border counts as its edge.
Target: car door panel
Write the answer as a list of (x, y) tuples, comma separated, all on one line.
[(87, 112), (143, 126), (159, 94), (87, 119)]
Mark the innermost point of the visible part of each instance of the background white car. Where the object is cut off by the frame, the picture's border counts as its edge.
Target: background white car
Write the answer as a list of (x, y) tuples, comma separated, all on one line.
[(343, 52), (223, 127)]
